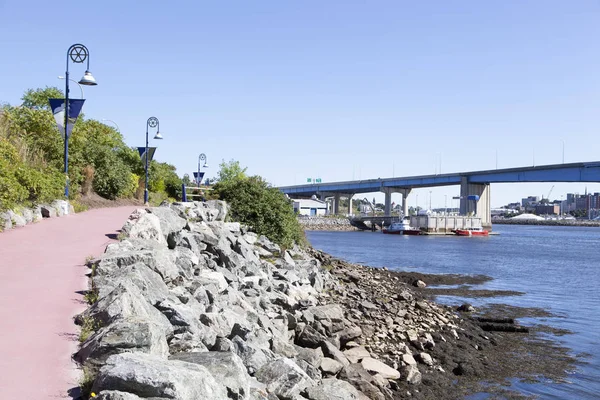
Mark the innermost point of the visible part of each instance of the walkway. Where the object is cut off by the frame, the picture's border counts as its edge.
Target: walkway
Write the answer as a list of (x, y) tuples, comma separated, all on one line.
[(41, 271)]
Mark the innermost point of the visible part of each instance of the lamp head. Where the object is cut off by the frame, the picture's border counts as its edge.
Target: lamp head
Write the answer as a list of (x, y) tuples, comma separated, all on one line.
[(88, 79), (205, 165), (158, 136)]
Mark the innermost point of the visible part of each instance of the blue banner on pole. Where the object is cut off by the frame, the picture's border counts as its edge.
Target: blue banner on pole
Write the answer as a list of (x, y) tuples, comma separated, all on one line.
[(58, 109), (198, 179), (142, 151)]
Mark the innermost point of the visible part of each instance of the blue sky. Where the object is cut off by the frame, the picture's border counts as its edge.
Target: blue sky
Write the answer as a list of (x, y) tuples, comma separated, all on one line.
[(330, 89)]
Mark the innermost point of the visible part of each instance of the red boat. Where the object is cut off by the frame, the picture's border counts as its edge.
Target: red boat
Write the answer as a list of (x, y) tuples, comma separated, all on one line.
[(471, 232)]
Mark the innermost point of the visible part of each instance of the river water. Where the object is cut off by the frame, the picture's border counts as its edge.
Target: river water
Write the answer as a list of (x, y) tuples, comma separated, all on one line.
[(558, 268)]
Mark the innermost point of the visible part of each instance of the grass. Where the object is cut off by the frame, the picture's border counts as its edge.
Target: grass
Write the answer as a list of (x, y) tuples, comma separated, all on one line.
[(121, 236), (89, 326), (78, 207), (86, 382)]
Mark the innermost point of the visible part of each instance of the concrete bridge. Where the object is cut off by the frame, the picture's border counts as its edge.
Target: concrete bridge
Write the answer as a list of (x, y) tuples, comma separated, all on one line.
[(474, 185)]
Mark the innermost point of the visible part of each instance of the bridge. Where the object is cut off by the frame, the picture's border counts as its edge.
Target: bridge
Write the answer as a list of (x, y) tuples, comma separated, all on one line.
[(474, 185)]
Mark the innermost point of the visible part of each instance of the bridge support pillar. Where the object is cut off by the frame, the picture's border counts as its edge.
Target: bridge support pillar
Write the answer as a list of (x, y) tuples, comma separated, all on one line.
[(480, 208), (336, 204), (388, 202), (405, 193), (350, 204)]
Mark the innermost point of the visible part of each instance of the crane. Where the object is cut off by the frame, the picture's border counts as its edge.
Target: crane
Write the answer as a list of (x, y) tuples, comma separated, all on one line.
[(549, 193)]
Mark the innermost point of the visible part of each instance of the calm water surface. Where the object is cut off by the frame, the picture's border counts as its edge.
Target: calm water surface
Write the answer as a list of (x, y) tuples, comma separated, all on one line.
[(557, 267)]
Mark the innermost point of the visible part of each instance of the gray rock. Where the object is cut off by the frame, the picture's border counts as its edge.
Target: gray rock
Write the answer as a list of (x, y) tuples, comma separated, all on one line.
[(361, 380), (312, 356), (309, 337), (356, 354), (170, 221), (149, 282), (144, 225), (47, 211), (284, 378), (283, 347), (268, 245), (17, 220), (426, 359), (333, 389), (227, 368), (377, 367), (5, 221), (412, 374), (124, 336), (37, 214), (116, 395), (333, 352), (191, 240), (252, 356), (150, 376), (125, 301), (28, 215), (314, 373), (330, 366)]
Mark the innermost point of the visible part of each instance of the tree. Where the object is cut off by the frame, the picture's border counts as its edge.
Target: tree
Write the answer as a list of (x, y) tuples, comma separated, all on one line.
[(38, 98), (230, 171)]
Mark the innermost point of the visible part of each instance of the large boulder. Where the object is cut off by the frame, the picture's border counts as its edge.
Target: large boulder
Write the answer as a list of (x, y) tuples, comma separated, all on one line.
[(116, 395), (333, 389), (125, 301), (284, 378), (149, 376), (227, 368), (124, 336), (377, 367), (170, 221), (148, 281), (143, 225)]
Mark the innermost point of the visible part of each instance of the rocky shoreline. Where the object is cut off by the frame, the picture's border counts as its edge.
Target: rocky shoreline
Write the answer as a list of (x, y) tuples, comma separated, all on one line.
[(325, 224), (589, 223), (187, 306)]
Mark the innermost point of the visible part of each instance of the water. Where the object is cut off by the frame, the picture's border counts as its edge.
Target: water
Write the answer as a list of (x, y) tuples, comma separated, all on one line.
[(558, 268)]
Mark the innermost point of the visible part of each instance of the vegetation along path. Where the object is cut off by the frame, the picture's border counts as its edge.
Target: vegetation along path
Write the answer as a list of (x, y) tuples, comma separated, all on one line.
[(42, 276)]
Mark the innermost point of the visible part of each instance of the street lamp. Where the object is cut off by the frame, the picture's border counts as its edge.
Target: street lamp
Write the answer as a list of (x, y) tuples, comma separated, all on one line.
[(110, 120), (151, 123), (73, 80), (78, 53), (201, 157)]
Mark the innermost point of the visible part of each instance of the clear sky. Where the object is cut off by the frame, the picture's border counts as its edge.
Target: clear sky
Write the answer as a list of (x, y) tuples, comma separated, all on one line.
[(330, 89)]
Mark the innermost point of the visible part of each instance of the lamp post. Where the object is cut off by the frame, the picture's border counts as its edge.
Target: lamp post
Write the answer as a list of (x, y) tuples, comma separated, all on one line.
[(78, 53), (151, 123), (80, 87), (110, 120), (201, 157)]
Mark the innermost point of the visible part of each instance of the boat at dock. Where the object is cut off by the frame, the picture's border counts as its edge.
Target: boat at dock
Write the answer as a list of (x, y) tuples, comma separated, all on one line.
[(401, 228), (471, 232)]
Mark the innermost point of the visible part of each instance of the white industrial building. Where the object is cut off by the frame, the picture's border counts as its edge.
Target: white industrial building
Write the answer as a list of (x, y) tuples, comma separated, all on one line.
[(310, 207)]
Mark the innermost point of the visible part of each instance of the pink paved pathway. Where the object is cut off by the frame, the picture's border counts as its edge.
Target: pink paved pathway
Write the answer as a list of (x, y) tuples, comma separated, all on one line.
[(41, 269)]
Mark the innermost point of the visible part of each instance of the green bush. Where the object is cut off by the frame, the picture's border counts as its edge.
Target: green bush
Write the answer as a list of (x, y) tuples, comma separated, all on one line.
[(265, 209)]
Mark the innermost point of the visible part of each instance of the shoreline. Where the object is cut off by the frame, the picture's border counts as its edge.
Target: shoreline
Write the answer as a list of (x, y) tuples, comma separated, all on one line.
[(205, 297), (586, 223)]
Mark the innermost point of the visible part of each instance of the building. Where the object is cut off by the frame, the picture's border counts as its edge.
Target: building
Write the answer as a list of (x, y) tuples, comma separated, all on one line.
[(547, 209), (310, 207), (530, 202)]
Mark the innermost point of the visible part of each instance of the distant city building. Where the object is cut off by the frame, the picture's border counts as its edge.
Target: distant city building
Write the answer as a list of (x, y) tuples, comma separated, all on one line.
[(547, 209), (530, 202)]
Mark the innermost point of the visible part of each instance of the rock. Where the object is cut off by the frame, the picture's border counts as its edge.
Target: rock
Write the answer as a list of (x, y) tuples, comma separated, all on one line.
[(356, 354), (17, 220), (419, 283), (170, 221), (62, 207), (28, 215), (124, 336), (144, 225), (5, 221), (330, 366), (268, 245), (426, 359), (252, 356), (283, 348), (412, 374), (212, 277), (466, 307), (150, 376), (309, 337), (329, 350), (47, 211), (116, 395), (408, 359), (361, 380), (227, 368), (333, 389), (150, 283), (377, 367), (125, 301), (349, 334), (312, 356), (330, 312), (284, 378)]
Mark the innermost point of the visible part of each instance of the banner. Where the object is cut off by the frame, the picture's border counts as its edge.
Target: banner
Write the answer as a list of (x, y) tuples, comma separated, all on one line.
[(197, 179), (58, 109), (142, 151)]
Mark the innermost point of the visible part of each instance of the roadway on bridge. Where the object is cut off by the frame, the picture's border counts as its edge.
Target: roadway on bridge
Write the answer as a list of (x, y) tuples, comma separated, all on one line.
[(41, 272)]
